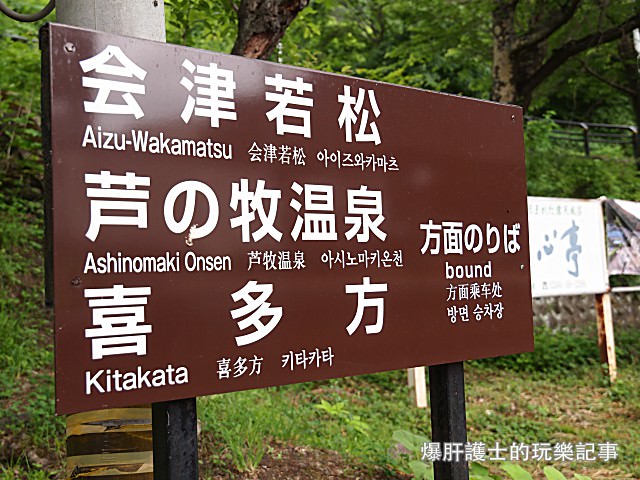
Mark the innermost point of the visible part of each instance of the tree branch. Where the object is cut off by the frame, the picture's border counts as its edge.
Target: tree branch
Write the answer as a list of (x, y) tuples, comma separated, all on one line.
[(545, 29), (262, 23), (605, 80), (560, 55)]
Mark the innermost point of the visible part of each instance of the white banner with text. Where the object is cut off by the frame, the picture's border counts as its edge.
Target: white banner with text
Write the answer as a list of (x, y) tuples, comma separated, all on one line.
[(567, 247)]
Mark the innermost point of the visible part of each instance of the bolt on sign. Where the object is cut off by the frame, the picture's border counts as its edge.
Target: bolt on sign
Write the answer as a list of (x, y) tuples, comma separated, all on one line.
[(220, 223)]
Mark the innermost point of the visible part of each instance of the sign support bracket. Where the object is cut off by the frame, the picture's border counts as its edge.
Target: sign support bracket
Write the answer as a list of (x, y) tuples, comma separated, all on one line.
[(175, 440), (448, 416)]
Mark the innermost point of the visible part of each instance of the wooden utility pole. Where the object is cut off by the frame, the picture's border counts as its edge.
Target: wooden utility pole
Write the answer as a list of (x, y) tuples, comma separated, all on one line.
[(121, 441)]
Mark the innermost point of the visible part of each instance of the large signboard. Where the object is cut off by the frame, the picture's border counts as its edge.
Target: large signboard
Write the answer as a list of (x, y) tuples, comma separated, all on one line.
[(566, 237), (222, 223)]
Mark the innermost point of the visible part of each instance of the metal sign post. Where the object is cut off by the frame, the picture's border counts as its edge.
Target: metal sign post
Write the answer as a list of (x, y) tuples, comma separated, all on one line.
[(448, 416), (175, 440)]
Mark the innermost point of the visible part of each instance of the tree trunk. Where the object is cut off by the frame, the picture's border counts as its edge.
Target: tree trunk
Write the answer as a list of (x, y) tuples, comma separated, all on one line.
[(503, 89), (261, 25), (513, 61), (522, 60)]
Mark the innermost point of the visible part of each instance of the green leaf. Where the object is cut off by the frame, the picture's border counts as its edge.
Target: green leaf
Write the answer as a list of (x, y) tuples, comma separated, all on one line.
[(516, 472), (477, 469), (553, 474), (581, 477), (480, 472), (409, 440), (336, 410), (420, 470)]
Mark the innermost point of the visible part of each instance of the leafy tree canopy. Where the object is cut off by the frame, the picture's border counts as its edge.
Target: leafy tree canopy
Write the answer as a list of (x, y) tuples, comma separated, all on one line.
[(443, 45)]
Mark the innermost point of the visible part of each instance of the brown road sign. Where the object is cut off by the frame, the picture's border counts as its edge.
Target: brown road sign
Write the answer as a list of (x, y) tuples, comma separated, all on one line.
[(221, 224)]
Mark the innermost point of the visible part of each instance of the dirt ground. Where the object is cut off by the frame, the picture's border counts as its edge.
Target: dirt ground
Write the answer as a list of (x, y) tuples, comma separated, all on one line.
[(281, 462), (287, 462)]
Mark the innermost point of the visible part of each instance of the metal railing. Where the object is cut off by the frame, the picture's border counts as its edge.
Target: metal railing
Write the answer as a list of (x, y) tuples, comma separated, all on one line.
[(588, 134)]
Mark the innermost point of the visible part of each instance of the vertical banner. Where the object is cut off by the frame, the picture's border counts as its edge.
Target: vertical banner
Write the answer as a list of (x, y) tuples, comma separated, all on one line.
[(566, 238), (623, 237)]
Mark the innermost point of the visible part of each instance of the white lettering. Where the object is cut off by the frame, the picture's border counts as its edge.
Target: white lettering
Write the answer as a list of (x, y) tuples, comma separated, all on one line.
[(144, 142), (468, 271), (107, 381), (196, 263), (92, 382)]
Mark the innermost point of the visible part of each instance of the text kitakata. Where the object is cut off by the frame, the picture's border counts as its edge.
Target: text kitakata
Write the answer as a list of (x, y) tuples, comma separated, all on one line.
[(107, 380)]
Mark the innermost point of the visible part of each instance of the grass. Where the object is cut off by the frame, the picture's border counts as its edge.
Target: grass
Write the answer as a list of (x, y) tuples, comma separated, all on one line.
[(30, 433), (573, 406), (558, 393)]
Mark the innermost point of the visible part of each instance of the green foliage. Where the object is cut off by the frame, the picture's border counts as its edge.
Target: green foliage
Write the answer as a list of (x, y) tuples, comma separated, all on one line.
[(554, 170), (20, 316), (397, 42), (18, 344), (446, 46), (576, 94), (516, 472), (627, 346), (207, 24), (421, 470), (479, 472), (553, 474), (538, 133), (410, 441), (449, 54), (624, 280), (20, 158), (414, 464), (625, 391), (353, 423), (555, 351), (32, 472), (246, 422), (578, 177), (436, 45), (26, 359)]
